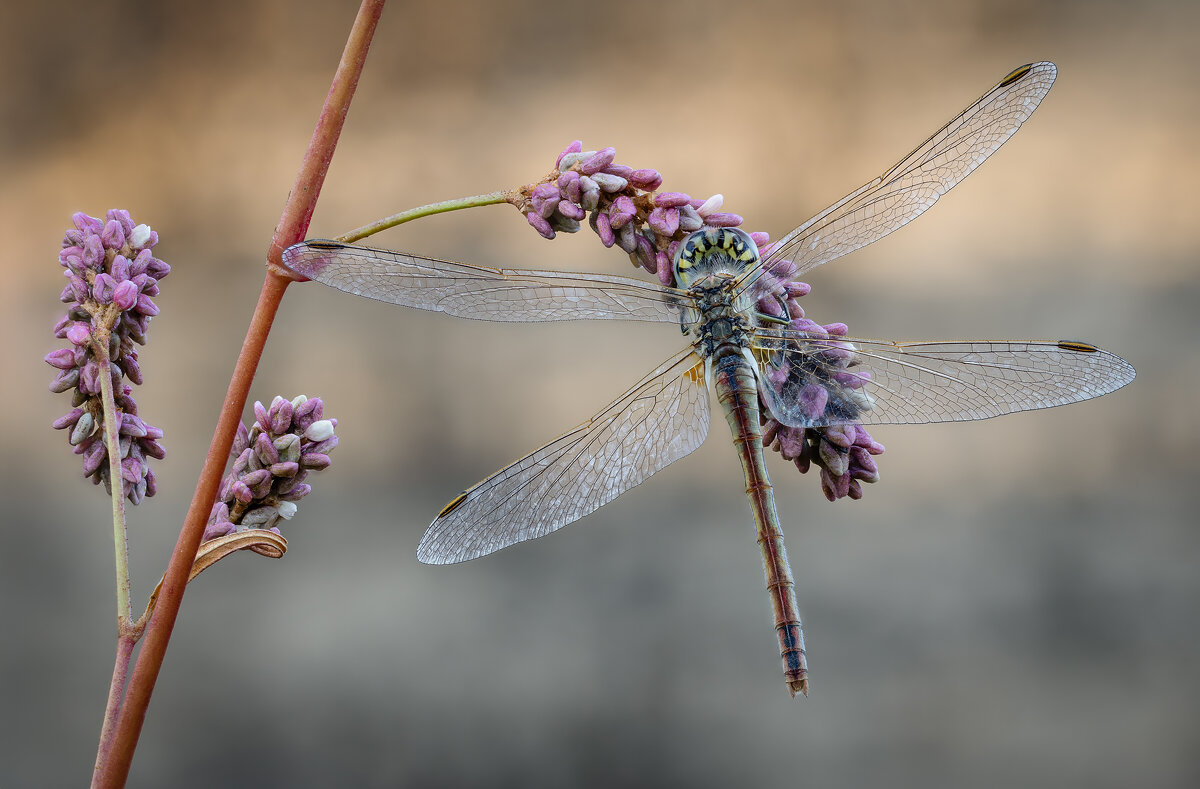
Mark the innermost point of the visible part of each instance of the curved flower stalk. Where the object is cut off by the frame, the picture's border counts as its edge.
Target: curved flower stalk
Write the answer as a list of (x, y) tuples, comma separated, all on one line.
[(625, 208), (271, 462), (111, 277)]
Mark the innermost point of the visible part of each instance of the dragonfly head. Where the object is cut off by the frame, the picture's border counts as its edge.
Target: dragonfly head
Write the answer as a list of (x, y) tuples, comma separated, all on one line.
[(715, 253)]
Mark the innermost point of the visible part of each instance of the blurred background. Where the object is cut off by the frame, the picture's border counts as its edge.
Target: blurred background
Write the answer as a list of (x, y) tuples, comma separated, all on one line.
[(1015, 603)]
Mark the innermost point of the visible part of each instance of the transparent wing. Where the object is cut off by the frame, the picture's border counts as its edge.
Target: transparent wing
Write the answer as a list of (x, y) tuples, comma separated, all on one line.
[(661, 419), (813, 381), (904, 192), (483, 293)]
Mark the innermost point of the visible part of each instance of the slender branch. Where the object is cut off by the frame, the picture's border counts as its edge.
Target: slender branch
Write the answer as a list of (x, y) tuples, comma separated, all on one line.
[(116, 482), (292, 227), (491, 198), (125, 639)]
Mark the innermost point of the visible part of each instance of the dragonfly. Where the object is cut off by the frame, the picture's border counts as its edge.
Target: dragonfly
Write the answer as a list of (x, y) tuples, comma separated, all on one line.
[(747, 357)]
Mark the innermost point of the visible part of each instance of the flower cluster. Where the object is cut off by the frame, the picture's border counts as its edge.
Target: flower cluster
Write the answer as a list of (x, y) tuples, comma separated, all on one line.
[(271, 462), (624, 208), (111, 277)]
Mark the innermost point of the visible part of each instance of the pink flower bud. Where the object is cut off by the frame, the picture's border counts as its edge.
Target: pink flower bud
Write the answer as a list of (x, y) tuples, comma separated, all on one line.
[(79, 333), (604, 229), (63, 358), (113, 235), (598, 161), (671, 199), (721, 219), (574, 147), (539, 224), (646, 179), (125, 295), (146, 306)]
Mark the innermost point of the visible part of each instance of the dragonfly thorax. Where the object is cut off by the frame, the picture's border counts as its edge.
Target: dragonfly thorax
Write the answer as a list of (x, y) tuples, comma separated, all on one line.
[(708, 264)]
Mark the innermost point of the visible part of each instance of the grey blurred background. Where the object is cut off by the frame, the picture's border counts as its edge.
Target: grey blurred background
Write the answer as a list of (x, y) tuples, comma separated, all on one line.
[(1014, 604)]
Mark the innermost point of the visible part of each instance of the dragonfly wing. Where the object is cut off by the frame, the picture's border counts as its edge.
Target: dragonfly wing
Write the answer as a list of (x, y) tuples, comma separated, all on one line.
[(904, 192), (660, 420), (483, 293), (818, 381)]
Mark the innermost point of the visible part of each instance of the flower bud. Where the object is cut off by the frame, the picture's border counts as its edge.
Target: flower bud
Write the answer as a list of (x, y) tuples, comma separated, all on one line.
[(721, 220), (125, 295), (141, 236), (598, 162), (63, 358), (646, 179), (265, 451), (83, 429), (609, 183), (319, 431), (113, 235), (604, 229), (710, 205), (79, 334), (539, 224), (574, 147)]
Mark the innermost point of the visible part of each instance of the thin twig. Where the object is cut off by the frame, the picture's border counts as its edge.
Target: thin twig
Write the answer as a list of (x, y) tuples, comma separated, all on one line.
[(491, 198)]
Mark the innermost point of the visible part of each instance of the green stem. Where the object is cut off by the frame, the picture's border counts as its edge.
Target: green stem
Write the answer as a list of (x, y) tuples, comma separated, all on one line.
[(116, 484), (491, 198)]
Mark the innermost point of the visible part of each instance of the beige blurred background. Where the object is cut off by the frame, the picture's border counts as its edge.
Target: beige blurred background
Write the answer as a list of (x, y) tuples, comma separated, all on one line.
[(1014, 604)]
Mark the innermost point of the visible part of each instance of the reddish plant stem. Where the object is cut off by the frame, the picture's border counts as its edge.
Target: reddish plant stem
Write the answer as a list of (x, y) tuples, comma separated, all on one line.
[(291, 228), (125, 644)]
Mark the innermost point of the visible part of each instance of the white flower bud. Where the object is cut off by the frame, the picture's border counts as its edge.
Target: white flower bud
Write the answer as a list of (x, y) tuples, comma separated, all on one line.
[(319, 431)]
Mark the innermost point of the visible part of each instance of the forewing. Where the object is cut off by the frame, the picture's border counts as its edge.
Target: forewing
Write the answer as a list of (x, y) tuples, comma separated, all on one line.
[(661, 419), (905, 191), (813, 381), (483, 293)]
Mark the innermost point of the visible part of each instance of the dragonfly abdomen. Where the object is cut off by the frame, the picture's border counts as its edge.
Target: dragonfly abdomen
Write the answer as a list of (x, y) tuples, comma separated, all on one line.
[(737, 391)]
